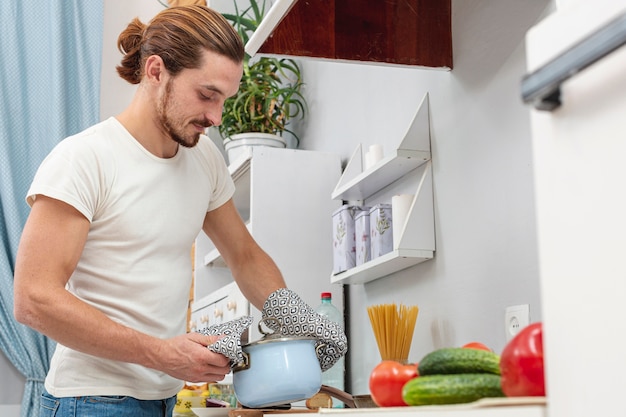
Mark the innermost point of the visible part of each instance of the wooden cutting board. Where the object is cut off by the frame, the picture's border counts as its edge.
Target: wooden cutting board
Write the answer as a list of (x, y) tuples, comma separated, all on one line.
[(313, 404)]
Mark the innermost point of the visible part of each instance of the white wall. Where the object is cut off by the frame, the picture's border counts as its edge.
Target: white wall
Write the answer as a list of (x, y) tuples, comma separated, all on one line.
[(485, 225), (116, 93), (486, 254)]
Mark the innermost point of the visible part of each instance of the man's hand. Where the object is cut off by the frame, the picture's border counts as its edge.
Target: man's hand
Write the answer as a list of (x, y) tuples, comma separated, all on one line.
[(187, 358), (230, 344)]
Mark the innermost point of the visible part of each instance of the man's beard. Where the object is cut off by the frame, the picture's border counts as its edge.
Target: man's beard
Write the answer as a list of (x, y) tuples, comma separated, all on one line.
[(176, 131)]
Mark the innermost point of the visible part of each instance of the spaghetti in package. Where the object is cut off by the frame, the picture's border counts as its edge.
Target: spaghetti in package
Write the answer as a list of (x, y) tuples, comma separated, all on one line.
[(393, 328)]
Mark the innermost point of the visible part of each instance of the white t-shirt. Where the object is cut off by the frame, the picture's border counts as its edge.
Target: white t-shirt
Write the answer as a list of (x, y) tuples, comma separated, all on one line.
[(145, 213)]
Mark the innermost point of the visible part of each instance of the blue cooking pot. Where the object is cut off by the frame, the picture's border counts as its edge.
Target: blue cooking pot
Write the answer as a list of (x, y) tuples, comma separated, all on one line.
[(277, 370)]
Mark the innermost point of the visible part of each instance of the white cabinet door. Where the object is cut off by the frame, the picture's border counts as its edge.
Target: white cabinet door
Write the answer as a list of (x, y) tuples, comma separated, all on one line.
[(580, 177)]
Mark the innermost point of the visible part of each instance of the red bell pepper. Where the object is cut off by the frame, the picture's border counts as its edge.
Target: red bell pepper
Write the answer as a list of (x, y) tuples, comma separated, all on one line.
[(521, 364)]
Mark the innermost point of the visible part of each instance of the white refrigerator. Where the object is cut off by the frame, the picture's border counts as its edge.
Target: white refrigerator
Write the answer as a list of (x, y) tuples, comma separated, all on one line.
[(576, 86)]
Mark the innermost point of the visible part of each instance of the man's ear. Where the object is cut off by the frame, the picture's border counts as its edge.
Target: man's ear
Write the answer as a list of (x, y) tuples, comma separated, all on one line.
[(154, 69)]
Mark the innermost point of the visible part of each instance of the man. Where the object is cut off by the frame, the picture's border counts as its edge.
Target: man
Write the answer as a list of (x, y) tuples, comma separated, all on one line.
[(103, 266)]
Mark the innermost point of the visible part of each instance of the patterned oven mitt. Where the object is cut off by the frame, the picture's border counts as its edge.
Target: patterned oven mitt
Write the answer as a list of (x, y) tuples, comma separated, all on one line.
[(230, 344), (296, 318)]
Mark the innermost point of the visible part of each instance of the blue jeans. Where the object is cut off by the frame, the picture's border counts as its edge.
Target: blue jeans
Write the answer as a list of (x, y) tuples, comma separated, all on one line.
[(101, 406)]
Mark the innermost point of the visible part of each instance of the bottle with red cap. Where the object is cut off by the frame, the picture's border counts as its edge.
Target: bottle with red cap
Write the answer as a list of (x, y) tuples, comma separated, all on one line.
[(334, 377)]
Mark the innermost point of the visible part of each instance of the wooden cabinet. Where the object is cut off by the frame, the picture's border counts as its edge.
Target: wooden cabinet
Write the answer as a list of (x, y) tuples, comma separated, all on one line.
[(283, 195), (408, 32), (416, 243)]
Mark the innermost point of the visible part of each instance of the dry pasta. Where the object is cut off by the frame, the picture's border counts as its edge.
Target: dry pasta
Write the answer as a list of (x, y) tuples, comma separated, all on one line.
[(393, 328)]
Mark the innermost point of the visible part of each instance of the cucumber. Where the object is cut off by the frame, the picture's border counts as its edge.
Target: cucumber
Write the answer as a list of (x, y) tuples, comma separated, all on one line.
[(451, 389), (459, 361)]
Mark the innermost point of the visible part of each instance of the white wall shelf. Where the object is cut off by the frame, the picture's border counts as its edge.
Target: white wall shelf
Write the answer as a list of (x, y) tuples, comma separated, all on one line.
[(416, 242), (384, 265), (388, 170), (357, 184)]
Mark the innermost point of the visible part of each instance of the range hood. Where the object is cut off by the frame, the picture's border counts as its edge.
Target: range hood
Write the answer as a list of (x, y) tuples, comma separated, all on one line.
[(279, 9)]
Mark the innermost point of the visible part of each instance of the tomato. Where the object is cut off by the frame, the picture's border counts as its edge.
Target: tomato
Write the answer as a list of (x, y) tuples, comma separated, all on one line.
[(387, 380), (521, 364), (477, 345)]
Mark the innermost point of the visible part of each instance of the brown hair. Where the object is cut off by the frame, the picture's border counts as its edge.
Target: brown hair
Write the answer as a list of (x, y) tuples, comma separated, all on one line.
[(178, 35)]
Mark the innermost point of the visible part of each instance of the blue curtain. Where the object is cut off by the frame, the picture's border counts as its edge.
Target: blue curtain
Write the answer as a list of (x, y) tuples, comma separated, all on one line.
[(50, 58)]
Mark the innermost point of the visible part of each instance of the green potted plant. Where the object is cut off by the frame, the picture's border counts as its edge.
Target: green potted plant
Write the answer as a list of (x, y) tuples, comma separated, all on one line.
[(269, 93)]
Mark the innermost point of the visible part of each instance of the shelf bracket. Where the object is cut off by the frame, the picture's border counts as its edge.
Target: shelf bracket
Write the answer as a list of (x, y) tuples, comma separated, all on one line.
[(418, 230), (417, 136), (353, 168)]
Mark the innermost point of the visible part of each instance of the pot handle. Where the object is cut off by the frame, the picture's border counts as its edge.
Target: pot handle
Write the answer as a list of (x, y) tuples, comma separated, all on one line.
[(268, 319), (245, 364), (347, 399)]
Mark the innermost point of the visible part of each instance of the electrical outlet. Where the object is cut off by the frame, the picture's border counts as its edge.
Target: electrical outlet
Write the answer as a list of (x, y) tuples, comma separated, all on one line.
[(515, 319)]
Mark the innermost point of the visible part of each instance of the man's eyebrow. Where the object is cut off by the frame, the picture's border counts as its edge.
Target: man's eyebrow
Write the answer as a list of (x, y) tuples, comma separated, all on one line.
[(213, 88)]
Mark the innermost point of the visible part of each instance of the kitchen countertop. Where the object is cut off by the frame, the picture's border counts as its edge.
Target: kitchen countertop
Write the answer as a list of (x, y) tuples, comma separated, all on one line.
[(487, 407)]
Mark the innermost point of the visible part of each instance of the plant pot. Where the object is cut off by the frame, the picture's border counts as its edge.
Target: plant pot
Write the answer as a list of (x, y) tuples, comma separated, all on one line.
[(242, 143)]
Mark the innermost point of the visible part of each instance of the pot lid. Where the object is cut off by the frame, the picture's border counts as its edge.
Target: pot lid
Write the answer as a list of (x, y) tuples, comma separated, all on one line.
[(272, 337)]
